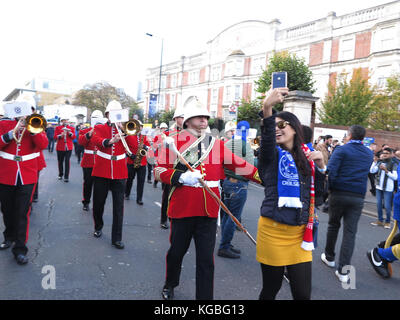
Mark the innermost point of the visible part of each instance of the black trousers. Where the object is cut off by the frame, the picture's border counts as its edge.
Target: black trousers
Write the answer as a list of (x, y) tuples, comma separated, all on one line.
[(299, 276), (164, 202), (141, 177), (16, 206), (36, 191), (149, 169), (100, 192), (203, 231), (87, 185), (63, 157)]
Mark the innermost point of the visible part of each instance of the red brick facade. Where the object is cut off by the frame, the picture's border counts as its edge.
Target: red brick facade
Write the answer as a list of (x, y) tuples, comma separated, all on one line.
[(335, 50), (363, 45), (316, 53)]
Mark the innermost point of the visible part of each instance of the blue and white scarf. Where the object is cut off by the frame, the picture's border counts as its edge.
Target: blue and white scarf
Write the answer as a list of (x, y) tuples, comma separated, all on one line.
[(288, 181)]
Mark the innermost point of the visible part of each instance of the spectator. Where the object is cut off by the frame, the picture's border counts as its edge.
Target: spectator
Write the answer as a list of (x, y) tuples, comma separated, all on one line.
[(379, 257), (235, 188), (371, 176), (50, 137), (386, 175), (347, 177), (284, 217), (396, 157), (325, 147)]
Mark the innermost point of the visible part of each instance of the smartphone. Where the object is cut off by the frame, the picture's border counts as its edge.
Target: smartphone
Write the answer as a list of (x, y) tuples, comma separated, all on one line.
[(279, 80)]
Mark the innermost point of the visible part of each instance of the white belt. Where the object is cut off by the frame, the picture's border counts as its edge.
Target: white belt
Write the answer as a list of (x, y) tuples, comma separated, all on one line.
[(210, 184), (90, 151), (14, 157), (109, 156)]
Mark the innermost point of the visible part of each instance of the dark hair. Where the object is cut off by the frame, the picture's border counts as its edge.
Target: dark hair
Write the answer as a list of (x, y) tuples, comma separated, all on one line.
[(307, 133), (328, 136), (357, 132), (388, 149), (297, 152)]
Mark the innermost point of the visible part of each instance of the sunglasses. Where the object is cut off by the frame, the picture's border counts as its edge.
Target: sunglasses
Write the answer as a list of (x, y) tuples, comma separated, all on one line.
[(282, 124)]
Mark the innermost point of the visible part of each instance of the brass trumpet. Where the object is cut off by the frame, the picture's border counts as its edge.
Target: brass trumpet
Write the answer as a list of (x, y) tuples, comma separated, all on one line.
[(34, 123), (129, 128)]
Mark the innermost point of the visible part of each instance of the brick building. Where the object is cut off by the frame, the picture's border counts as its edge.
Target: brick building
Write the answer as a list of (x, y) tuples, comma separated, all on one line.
[(225, 71)]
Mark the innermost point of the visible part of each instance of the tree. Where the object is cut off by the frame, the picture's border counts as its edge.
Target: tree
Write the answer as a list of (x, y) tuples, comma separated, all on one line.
[(299, 75), (348, 103), (385, 113), (248, 110), (97, 96)]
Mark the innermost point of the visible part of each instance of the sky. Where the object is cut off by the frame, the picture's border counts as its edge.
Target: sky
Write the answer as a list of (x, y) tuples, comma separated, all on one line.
[(86, 41)]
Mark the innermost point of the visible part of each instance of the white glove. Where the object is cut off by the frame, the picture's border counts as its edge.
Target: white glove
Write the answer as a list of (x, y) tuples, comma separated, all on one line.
[(190, 178)]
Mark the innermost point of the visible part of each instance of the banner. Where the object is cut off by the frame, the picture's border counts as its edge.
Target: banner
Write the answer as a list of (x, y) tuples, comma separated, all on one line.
[(152, 105)]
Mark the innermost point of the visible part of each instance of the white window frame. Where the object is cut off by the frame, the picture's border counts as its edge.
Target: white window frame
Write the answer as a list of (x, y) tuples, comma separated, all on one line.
[(347, 48)]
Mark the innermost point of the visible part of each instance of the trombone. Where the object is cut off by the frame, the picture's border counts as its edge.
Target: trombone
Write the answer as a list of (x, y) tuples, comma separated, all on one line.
[(130, 128), (34, 123)]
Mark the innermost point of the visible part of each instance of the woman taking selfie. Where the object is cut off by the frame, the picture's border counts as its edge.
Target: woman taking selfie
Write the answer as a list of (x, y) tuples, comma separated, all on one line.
[(289, 171)]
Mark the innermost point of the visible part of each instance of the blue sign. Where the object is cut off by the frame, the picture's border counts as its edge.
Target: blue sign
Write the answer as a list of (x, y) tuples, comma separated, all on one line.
[(152, 105)]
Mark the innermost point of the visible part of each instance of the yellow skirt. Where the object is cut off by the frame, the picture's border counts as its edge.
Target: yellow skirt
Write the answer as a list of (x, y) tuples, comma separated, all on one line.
[(280, 244)]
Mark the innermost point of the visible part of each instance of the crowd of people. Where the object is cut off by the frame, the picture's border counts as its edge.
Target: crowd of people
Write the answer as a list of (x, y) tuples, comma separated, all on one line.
[(199, 172)]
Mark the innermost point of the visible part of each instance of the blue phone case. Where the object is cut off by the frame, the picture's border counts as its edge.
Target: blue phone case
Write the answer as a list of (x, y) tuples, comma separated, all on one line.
[(279, 80)]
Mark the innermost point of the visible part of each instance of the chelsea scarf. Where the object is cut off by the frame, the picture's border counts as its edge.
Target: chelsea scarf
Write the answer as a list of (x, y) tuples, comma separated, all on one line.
[(289, 191)]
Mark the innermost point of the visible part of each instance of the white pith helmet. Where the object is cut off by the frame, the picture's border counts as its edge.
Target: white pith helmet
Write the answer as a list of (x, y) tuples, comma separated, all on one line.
[(178, 113), (113, 105), (27, 98), (194, 108), (97, 114), (230, 125), (163, 125)]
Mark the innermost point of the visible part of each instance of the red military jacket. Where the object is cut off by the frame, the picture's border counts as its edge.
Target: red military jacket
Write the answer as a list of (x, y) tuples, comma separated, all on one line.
[(41, 161), (64, 144), (110, 161), (12, 162), (133, 143), (188, 201), (90, 148)]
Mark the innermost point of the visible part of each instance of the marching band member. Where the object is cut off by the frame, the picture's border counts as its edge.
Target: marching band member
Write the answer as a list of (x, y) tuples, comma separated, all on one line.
[(178, 118), (192, 210), (110, 173), (137, 165), (18, 176), (64, 134), (87, 163)]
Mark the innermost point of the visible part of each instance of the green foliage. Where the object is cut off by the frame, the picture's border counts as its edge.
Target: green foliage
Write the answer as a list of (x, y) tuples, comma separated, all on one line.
[(385, 113), (299, 75), (348, 103)]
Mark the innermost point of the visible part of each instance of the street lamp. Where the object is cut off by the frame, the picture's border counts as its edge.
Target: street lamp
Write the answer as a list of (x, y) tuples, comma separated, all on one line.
[(159, 81)]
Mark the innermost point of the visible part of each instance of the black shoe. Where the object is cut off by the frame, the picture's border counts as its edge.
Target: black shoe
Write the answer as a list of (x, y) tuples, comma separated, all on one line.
[(233, 249), (227, 253), (380, 265), (97, 233), (59, 177), (139, 202), (149, 181), (21, 259), (164, 225), (126, 197), (118, 244), (85, 207), (35, 200), (66, 180), (5, 244), (167, 293)]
